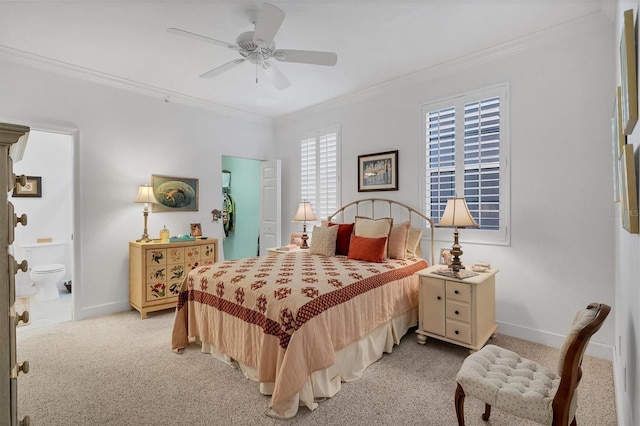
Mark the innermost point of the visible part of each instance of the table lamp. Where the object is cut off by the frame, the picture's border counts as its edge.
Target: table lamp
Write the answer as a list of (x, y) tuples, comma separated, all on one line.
[(304, 215), (145, 195), (456, 215)]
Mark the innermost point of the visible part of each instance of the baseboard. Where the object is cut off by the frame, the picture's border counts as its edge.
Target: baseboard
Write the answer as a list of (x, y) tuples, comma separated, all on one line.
[(100, 310), (624, 417), (598, 350)]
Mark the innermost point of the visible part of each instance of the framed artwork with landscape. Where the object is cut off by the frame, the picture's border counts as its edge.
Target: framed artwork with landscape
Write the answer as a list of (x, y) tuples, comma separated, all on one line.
[(378, 172)]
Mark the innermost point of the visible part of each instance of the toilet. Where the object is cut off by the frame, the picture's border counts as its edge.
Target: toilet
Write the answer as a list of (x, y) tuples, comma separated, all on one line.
[(44, 273)]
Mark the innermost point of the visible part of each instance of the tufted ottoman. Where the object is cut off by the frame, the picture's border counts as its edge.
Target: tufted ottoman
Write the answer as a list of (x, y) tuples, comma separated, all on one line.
[(501, 378)]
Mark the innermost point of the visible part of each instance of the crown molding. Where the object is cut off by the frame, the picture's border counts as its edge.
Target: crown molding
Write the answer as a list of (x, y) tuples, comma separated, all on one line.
[(74, 71), (589, 23)]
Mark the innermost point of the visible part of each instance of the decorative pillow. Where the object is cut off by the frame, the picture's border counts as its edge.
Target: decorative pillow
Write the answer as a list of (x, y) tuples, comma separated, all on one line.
[(373, 228), (413, 241), (397, 243), (323, 240), (344, 237), (369, 249)]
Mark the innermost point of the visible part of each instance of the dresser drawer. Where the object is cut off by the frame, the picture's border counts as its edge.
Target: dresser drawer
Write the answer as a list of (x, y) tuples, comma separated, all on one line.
[(458, 291), (458, 311), (459, 331)]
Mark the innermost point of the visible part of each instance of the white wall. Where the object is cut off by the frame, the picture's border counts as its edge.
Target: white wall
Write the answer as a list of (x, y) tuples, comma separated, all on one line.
[(121, 139), (561, 253), (626, 362)]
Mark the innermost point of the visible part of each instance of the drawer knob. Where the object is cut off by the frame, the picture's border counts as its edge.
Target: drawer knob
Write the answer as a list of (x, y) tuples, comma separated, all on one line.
[(439, 297), (457, 332), (457, 312), (26, 421), (24, 317), (24, 367), (456, 292), (22, 266), (21, 219), (22, 180)]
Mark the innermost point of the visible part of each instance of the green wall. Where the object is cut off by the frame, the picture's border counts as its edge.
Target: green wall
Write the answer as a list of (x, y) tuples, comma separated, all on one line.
[(245, 191)]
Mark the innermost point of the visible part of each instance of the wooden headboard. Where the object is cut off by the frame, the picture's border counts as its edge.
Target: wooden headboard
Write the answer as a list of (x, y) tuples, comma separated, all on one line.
[(382, 207)]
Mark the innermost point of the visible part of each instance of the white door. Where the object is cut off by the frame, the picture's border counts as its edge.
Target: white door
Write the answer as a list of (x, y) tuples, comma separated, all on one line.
[(270, 205)]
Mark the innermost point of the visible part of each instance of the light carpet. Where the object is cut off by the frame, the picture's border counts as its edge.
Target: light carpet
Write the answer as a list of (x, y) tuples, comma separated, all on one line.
[(120, 370)]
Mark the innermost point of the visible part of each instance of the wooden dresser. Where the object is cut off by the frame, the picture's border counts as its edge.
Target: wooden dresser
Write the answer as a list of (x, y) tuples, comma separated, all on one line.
[(460, 311), (156, 270)]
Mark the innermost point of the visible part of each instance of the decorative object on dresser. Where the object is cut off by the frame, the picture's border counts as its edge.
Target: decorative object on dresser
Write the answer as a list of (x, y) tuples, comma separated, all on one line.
[(13, 137), (145, 195), (456, 215), (156, 271), (378, 172), (304, 215), (459, 311), (502, 378)]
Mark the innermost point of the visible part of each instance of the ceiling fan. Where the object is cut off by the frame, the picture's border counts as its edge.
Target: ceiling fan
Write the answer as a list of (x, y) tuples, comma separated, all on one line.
[(257, 47)]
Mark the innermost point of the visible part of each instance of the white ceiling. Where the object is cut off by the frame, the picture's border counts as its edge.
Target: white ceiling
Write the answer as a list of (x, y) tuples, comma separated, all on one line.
[(376, 41)]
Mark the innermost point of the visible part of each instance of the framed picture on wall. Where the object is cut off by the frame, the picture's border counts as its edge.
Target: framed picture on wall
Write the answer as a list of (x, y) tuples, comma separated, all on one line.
[(628, 70), (32, 188), (628, 193), (618, 141), (378, 172), (174, 194)]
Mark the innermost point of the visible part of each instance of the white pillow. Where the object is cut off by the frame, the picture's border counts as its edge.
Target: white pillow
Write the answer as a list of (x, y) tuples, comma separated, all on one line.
[(323, 240), (413, 241), (373, 228)]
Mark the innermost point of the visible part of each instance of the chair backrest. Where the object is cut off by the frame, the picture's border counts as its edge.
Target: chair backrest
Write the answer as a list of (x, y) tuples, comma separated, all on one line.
[(585, 324)]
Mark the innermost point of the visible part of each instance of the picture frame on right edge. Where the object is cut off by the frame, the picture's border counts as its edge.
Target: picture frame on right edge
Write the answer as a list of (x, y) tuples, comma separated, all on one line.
[(628, 193), (618, 140), (628, 69)]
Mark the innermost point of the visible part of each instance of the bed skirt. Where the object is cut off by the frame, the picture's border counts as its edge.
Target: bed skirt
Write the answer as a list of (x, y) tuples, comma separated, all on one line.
[(351, 362)]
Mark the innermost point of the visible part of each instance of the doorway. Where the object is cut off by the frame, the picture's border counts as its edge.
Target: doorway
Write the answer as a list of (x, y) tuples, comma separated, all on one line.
[(241, 202), (50, 223)]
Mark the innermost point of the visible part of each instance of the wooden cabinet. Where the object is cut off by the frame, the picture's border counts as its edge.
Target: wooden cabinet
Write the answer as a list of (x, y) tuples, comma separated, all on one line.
[(460, 311), (156, 271)]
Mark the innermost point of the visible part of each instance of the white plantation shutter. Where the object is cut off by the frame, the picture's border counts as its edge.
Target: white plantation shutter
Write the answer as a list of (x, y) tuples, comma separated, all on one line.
[(466, 149), (319, 180)]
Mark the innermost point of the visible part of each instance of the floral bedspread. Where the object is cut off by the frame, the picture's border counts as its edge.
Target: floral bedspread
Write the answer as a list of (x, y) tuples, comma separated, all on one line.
[(286, 315)]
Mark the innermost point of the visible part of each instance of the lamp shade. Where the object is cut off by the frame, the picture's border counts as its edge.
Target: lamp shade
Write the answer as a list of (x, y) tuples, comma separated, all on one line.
[(145, 195), (304, 213), (456, 214)]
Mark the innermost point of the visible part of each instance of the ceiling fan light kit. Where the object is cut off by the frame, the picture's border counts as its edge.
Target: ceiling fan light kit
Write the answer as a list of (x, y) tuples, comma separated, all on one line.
[(257, 47)]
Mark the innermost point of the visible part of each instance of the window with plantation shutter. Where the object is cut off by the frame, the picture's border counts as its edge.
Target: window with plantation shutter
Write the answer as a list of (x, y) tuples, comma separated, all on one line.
[(319, 179), (466, 149)]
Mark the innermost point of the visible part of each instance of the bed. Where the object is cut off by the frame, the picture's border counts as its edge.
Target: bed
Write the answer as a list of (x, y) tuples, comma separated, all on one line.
[(301, 323)]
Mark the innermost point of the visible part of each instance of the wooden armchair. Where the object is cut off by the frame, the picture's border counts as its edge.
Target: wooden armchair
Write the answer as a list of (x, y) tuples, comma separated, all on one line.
[(524, 388)]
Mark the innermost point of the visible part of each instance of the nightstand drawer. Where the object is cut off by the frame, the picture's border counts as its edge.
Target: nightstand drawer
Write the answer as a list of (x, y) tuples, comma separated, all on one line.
[(460, 331), (458, 311), (458, 291)]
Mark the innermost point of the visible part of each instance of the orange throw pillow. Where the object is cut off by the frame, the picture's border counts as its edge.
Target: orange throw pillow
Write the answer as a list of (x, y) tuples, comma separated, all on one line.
[(369, 249)]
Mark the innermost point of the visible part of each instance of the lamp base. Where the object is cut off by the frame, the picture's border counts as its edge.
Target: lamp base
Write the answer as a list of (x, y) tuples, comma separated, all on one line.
[(456, 252), (145, 234), (304, 237)]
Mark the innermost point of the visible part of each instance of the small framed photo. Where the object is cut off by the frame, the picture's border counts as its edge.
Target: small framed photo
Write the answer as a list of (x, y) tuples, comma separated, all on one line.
[(296, 239), (174, 194), (33, 188), (378, 172), (196, 230), (445, 256)]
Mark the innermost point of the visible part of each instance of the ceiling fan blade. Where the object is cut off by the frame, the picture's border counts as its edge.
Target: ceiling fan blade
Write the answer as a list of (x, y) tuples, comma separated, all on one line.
[(222, 68), (189, 34), (306, 57), (275, 75), (267, 24)]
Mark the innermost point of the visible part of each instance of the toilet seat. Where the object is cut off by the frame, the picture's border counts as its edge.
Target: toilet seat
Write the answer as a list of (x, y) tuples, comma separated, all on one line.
[(47, 269)]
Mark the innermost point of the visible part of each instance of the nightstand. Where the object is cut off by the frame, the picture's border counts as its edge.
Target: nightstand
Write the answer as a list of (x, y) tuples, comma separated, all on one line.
[(459, 311)]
